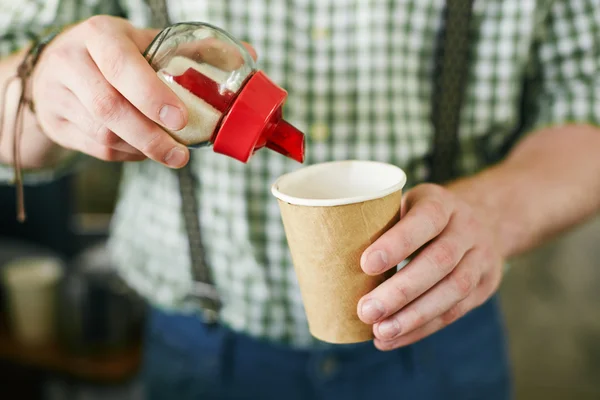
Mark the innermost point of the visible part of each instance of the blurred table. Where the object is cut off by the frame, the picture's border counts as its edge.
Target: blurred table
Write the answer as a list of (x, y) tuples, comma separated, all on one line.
[(109, 369)]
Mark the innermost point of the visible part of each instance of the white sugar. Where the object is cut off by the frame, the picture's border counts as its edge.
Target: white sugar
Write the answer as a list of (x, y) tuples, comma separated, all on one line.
[(179, 64), (202, 117)]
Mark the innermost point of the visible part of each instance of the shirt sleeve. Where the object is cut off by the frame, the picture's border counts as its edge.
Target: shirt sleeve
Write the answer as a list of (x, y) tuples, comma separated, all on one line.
[(567, 87), (22, 21)]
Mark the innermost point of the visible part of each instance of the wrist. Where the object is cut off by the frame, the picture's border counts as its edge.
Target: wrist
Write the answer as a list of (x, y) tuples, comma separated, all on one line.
[(488, 194), (28, 67), (24, 105)]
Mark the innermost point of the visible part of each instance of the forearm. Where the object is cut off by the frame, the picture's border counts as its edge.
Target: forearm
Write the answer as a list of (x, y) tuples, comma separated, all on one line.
[(549, 183), (37, 150)]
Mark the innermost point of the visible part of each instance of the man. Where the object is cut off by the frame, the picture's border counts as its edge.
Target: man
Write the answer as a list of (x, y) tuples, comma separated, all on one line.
[(359, 76)]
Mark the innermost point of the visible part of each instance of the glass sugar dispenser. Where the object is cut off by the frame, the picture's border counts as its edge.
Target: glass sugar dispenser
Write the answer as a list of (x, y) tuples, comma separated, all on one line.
[(233, 106)]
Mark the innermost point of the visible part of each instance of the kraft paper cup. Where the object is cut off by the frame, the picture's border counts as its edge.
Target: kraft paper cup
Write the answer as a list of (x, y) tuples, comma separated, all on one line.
[(331, 213), (31, 285)]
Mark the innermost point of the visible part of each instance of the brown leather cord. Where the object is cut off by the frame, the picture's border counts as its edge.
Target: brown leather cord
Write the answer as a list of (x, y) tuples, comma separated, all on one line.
[(17, 179), (17, 134), (204, 291), (24, 71)]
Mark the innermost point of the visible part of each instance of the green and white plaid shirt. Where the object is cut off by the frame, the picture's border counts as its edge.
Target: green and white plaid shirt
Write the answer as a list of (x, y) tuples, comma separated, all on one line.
[(359, 77)]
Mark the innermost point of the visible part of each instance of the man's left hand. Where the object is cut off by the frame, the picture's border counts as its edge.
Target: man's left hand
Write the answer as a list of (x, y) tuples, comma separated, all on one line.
[(455, 267)]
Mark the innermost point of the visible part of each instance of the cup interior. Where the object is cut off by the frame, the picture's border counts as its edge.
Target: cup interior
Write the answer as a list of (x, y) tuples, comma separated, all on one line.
[(338, 183)]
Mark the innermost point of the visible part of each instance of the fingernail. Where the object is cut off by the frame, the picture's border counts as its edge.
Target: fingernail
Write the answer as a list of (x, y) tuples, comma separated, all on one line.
[(389, 328), (171, 117), (176, 157), (376, 261), (371, 310)]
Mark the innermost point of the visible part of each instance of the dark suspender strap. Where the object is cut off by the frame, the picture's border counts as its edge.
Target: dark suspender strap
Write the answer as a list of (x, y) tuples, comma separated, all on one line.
[(204, 291), (450, 77)]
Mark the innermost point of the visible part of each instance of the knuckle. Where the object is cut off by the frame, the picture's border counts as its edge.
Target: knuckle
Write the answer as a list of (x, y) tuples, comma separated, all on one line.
[(472, 223), (444, 255), (417, 319), (107, 106), (152, 93), (406, 243), (436, 215), (432, 187), (105, 136), (58, 55), (54, 59), (62, 102), (464, 282), (154, 147), (57, 61), (97, 23), (112, 62), (452, 315), (401, 294), (106, 51)]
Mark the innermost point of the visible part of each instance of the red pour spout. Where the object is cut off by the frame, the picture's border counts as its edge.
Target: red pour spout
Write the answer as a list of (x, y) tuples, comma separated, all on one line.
[(287, 140), (252, 118), (255, 121)]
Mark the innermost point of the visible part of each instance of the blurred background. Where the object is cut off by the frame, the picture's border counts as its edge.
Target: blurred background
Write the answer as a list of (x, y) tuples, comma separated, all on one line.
[(551, 299)]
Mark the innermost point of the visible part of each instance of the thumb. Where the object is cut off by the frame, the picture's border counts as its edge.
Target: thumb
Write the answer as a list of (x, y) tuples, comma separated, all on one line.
[(251, 50)]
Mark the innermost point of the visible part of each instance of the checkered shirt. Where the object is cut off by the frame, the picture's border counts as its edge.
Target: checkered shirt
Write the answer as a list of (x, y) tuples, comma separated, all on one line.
[(359, 77)]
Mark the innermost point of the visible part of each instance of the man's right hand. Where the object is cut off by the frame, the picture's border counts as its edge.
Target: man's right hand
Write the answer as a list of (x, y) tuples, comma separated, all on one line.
[(94, 92)]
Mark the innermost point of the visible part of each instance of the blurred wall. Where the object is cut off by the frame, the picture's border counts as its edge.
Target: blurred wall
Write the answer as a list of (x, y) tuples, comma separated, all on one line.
[(551, 298)]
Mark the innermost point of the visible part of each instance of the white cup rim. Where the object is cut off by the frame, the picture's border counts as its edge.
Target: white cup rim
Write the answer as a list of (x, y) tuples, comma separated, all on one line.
[(397, 180)]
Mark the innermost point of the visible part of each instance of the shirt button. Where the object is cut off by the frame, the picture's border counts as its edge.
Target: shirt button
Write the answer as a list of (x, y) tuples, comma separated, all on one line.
[(328, 367), (320, 33), (319, 132)]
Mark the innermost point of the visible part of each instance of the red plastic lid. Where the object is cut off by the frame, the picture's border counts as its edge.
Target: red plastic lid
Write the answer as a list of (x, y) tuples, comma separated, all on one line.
[(255, 121)]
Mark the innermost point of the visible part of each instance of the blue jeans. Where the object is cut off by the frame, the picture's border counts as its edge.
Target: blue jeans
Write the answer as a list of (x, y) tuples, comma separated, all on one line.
[(186, 359)]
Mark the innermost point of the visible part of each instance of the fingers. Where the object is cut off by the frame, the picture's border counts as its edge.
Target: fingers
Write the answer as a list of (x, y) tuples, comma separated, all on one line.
[(454, 268), (435, 325), (477, 297), (432, 265), (69, 107), (450, 312), (427, 216), (105, 104), (70, 137), (444, 295), (123, 66)]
